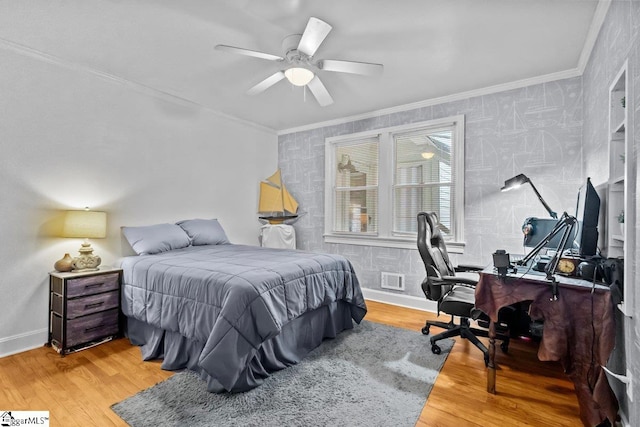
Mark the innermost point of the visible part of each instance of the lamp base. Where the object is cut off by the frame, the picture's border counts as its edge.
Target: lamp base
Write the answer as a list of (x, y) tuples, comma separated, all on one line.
[(86, 261)]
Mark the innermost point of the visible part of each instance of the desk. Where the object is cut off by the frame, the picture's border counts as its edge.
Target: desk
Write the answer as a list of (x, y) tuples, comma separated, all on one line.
[(577, 325)]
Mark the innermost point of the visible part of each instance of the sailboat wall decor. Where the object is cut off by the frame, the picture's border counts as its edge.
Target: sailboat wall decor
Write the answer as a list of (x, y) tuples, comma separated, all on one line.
[(276, 204)]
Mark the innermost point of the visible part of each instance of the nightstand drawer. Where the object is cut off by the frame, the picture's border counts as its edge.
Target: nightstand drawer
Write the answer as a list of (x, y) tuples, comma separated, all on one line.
[(78, 307), (92, 284), (84, 308), (88, 328)]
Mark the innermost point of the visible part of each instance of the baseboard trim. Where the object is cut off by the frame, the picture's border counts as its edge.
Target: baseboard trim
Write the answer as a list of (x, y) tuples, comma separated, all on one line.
[(30, 340), (23, 342), (407, 301)]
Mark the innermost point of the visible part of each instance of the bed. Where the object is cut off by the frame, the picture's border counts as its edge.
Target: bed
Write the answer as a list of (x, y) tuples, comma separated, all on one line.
[(232, 313)]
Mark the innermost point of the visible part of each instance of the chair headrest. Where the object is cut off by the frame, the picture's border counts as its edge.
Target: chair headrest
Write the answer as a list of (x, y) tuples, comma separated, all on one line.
[(431, 244)]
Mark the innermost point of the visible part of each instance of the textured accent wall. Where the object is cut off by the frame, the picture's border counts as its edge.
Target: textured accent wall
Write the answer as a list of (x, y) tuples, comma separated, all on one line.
[(619, 40), (536, 130)]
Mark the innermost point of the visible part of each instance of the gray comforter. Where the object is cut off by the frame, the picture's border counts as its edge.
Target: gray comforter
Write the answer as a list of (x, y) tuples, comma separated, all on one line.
[(233, 298)]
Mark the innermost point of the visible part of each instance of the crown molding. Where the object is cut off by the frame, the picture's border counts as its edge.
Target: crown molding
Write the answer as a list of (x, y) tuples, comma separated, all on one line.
[(596, 24), (133, 85), (592, 35), (441, 100)]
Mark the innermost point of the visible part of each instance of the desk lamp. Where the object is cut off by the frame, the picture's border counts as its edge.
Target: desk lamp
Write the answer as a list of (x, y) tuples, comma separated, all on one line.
[(85, 224), (565, 225), (517, 181)]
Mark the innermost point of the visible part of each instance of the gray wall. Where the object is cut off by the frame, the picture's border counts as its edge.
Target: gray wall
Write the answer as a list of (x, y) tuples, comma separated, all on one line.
[(70, 138), (619, 40), (556, 133), (535, 130)]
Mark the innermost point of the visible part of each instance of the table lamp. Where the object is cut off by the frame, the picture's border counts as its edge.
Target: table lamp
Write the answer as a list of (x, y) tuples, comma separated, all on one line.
[(85, 224), (520, 179)]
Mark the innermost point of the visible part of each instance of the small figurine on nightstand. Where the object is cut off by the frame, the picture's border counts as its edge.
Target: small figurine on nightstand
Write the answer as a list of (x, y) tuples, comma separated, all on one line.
[(64, 264)]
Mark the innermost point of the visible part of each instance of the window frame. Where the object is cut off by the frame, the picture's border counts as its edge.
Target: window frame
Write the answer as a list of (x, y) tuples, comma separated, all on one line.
[(385, 236)]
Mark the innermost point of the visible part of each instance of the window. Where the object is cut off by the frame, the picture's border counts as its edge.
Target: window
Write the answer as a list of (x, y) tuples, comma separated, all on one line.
[(356, 187), (377, 182), (422, 177)]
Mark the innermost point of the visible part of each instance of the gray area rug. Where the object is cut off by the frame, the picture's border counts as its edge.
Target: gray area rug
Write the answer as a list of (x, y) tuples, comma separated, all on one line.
[(373, 375)]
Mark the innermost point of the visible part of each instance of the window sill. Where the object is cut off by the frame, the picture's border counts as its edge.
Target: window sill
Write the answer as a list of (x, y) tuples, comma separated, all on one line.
[(387, 242)]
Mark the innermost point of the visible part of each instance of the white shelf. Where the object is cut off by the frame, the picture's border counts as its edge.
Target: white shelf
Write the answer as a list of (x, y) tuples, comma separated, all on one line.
[(617, 180), (618, 131), (617, 198)]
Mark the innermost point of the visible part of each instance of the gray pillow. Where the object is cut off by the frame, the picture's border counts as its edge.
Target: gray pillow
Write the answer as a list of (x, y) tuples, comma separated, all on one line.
[(153, 239), (204, 231)]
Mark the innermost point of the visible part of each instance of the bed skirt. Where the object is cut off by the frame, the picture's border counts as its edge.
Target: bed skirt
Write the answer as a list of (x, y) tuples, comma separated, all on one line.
[(295, 341)]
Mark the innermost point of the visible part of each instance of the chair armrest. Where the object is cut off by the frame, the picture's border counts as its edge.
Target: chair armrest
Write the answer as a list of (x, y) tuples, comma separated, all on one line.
[(452, 280), (467, 267)]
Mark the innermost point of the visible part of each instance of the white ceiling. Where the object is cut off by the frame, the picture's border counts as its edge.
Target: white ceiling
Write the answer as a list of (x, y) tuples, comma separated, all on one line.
[(429, 48)]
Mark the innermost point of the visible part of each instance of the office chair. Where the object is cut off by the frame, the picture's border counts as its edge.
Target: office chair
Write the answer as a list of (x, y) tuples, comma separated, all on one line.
[(455, 294)]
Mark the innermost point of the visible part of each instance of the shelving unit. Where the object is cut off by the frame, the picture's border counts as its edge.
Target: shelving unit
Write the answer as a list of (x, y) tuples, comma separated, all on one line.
[(618, 185)]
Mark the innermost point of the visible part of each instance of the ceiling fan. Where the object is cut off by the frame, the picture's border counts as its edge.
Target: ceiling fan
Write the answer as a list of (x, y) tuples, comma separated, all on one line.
[(300, 66)]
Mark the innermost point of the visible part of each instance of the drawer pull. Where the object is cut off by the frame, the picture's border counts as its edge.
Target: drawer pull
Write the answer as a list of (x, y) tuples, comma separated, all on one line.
[(93, 328), (94, 285), (94, 305)]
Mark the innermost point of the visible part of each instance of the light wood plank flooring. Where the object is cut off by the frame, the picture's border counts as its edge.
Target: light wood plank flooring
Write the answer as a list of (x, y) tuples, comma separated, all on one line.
[(79, 389)]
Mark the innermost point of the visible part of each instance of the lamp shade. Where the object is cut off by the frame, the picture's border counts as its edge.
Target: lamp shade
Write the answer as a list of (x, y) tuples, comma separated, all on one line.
[(299, 76), (85, 224), (520, 179), (515, 182)]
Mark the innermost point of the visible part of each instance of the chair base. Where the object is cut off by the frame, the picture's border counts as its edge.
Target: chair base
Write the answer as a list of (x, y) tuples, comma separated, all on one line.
[(463, 330)]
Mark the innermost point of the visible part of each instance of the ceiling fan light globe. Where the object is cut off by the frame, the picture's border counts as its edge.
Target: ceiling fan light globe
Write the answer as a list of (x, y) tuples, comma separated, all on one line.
[(298, 76)]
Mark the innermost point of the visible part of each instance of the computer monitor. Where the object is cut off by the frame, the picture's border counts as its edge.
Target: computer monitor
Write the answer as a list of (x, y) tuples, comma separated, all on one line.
[(587, 212)]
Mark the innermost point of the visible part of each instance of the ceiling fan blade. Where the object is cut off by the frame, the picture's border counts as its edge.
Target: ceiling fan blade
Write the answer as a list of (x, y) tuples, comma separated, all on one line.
[(266, 83), (320, 92), (313, 36), (365, 68), (248, 52)]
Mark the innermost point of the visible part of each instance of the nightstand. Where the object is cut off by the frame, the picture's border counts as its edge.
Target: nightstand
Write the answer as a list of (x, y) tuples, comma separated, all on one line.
[(84, 308)]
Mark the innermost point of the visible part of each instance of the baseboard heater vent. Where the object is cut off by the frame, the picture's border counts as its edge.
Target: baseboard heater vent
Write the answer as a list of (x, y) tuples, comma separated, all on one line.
[(393, 281)]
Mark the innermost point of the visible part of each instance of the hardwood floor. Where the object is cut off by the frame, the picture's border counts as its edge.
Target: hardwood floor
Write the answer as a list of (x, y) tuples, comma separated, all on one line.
[(79, 389), (529, 392)]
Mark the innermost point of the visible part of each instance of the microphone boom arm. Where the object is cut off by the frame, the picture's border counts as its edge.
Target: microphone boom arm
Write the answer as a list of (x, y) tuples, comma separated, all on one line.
[(566, 224)]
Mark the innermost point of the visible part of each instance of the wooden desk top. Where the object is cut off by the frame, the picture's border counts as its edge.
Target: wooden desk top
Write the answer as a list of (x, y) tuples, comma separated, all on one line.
[(579, 330), (524, 272)]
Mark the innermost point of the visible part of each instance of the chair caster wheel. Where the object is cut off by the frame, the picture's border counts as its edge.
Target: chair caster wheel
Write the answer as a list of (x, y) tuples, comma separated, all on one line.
[(435, 349), (425, 330), (504, 347)]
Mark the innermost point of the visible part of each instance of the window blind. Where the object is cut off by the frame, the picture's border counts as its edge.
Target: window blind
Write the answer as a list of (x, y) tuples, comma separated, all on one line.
[(356, 187)]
